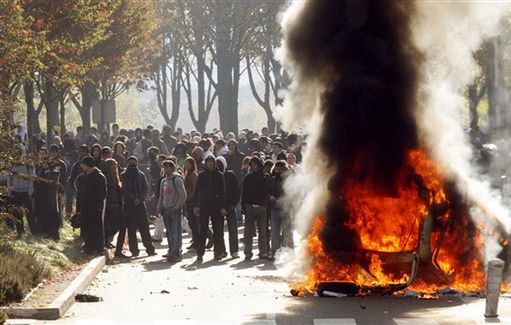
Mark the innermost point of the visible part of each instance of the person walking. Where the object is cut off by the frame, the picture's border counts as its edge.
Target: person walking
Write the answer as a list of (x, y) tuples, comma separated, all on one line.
[(254, 201), (232, 198), (134, 192), (91, 198), (210, 192), (170, 203)]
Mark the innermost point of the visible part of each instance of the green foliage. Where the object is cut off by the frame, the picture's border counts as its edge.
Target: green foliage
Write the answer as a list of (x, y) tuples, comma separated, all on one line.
[(70, 29), (18, 44)]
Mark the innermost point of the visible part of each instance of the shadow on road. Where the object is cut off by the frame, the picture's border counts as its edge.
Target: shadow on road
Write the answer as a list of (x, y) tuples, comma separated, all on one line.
[(366, 310)]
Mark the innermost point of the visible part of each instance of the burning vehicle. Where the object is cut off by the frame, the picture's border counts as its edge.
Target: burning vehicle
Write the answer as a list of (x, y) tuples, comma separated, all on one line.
[(395, 216)]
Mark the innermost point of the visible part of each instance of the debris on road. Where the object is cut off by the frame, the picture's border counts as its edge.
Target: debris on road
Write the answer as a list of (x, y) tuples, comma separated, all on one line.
[(87, 298)]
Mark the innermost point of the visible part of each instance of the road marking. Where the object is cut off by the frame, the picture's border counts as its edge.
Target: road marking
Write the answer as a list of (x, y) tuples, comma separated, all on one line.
[(335, 321), (415, 321), (175, 322)]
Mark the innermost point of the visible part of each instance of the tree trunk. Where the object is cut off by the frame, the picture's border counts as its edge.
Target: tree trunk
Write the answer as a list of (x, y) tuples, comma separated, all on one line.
[(28, 89), (52, 110), (224, 66), (201, 93), (161, 91), (88, 95), (176, 94), (62, 116)]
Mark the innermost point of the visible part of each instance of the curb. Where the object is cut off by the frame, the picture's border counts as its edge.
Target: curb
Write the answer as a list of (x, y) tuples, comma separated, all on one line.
[(65, 300)]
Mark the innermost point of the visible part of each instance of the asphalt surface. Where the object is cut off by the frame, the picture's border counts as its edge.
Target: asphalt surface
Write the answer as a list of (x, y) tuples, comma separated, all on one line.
[(149, 290)]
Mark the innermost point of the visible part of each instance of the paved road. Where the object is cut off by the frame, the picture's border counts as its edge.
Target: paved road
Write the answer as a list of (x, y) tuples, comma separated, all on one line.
[(234, 291)]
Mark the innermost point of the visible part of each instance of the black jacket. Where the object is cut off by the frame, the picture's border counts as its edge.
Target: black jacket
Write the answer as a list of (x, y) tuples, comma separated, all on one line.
[(255, 189), (232, 190), (74, 173), (211, 188), (277, 186), (134, 185), (92, 193)]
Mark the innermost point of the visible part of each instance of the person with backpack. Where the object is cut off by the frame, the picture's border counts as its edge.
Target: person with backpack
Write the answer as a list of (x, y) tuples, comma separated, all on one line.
[(170, 203)]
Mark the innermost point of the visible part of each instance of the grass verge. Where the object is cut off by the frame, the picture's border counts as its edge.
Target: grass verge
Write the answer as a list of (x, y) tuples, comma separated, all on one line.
[(25, 262)]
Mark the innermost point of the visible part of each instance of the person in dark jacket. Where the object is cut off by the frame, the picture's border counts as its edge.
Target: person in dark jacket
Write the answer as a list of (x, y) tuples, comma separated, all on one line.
[(281, 225), (76, 169), (232, 198), (46, 207), (254, 201), (91, 197), (210, 191), (134, 193), (113, 210)]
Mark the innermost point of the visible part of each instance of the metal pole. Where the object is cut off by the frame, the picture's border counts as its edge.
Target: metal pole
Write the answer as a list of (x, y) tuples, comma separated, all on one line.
[(493, 283)]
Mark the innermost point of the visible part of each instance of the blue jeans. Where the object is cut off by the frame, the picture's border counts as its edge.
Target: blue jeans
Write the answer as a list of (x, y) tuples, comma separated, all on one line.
[(172, 222)]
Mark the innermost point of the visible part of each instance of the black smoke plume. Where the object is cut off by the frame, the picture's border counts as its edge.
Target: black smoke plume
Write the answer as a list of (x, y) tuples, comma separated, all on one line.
[(362, 53)]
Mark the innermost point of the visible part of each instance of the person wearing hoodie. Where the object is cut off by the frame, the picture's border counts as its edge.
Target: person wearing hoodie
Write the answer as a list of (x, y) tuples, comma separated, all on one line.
[(232, 198), (254, 201), (91, 198), (210, 191), (134, 193), (170, 204)]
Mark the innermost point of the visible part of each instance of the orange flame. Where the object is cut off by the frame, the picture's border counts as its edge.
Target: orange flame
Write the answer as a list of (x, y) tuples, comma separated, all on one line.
[(391, 225)]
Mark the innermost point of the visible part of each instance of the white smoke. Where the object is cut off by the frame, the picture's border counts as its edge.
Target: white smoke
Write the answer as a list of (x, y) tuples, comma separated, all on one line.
[(307, 192), (448, 33)]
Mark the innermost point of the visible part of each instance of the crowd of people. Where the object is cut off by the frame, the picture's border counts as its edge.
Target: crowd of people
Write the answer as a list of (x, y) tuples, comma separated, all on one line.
[(117, 184)]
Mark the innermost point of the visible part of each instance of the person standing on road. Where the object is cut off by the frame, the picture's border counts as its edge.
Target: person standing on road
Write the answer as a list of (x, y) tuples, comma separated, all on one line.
[(170, 203), (113, 210), (91, 197), (134, 193), (211, 194), (254, 201), (190, 178), (232, 198), (159, 224)]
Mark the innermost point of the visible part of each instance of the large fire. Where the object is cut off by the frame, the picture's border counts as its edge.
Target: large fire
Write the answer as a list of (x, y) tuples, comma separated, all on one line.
[(389, 235)]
